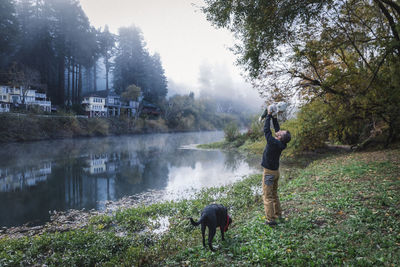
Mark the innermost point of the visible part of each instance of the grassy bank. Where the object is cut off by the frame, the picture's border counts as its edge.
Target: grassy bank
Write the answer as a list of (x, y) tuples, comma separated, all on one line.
[(246, 145), (341, 210), (28, 127)]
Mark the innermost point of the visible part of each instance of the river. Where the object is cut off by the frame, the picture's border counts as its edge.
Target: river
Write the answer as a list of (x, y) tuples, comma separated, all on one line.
[(39, 177)]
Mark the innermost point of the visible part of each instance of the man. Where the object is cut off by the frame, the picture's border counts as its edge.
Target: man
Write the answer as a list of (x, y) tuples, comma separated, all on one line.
[(270, 162)]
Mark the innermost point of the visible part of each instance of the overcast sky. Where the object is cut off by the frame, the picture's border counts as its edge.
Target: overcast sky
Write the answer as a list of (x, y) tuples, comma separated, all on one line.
[(185, 40)]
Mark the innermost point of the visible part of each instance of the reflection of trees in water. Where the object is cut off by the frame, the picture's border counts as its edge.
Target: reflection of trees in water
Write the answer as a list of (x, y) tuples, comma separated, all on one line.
[(148, 170), (130, 165), (189, 158), (79, 190), (232, 160), (34, 203), (57, 149)]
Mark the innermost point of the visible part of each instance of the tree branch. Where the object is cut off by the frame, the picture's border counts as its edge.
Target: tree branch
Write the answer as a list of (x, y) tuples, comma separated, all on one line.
[(392, 23), (392, 5)]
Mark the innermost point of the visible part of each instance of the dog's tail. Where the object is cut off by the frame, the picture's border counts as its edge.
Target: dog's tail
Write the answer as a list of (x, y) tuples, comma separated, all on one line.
[(194, 223)]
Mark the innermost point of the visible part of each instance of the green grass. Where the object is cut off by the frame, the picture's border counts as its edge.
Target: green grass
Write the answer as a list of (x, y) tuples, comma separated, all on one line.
[(216, 145), (341, 210)]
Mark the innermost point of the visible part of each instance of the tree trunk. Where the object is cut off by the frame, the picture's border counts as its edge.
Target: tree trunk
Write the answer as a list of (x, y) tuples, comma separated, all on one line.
[(95, 76), (69, 82), (80, 84), (76, 83), (107, 70), (61, 80), (390, 137), (73, 83)]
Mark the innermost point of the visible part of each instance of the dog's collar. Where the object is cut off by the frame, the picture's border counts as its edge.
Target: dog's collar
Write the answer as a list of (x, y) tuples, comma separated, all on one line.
[(227, 223)]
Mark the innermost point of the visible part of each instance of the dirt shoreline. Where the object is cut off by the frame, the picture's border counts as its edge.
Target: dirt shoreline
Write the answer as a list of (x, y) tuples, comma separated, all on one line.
[(62, 221)]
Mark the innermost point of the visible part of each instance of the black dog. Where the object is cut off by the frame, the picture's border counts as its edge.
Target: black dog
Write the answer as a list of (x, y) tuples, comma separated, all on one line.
[(213, 216)]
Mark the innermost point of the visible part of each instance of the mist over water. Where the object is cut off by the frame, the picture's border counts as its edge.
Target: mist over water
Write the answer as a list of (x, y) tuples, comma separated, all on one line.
[(36, 178)]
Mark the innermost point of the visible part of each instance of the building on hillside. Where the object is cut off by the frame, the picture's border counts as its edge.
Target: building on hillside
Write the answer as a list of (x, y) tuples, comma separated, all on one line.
[(94, 105), (11, 95), (4, 104), (150, 109), (4, 107), (114, 106), (17, 96), (42, 101)]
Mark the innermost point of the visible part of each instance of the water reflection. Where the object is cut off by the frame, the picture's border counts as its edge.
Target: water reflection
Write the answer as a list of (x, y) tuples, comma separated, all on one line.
[(18, 179), (58, 175)]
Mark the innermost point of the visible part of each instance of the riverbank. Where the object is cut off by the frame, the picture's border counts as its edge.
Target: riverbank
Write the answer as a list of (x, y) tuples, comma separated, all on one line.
[(340, 210), (30, 127)]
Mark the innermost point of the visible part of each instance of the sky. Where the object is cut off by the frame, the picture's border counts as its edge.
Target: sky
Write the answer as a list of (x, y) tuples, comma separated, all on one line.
[(194, 54)]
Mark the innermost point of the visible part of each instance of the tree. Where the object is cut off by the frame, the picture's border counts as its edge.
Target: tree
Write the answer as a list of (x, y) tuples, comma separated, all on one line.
[(157, 80), (132, 92), (344, 53), (8, 30), (55, 39), (107, 49), (25, 78), (129, 61), (262, 26), (134, 65)]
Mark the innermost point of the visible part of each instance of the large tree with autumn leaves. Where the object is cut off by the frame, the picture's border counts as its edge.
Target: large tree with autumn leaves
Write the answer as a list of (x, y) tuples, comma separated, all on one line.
[(340, 57)]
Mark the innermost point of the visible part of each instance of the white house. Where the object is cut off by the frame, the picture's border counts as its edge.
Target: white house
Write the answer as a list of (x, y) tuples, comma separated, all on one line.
[(3, 94), (95, 106), (4, 107), (17, 95), (109, 104), (42, 101)]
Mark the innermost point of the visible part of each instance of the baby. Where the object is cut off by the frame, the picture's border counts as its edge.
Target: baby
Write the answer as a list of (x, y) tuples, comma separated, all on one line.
[(274, 109)]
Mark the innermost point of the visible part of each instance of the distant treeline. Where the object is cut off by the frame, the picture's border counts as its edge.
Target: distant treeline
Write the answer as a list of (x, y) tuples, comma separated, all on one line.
[(50, 44)]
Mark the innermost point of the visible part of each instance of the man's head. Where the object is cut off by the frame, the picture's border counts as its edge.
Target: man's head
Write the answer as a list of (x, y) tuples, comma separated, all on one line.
[(283, 136)]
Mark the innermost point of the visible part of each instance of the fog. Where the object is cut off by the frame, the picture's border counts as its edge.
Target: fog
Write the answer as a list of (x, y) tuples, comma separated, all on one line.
[(195, 55), (68, 45), (85, 173)]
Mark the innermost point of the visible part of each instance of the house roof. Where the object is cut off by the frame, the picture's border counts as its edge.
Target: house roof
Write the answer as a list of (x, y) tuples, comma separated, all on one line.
[(102, 93), (148, 104)]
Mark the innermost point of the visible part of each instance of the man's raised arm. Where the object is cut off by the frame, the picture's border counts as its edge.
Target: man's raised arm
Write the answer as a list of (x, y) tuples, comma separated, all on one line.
[(267, 128), (276, 124)]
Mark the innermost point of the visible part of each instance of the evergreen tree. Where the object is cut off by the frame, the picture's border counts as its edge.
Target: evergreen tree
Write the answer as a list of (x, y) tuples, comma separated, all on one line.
[(8, 32), (134, 65), (107, 49)]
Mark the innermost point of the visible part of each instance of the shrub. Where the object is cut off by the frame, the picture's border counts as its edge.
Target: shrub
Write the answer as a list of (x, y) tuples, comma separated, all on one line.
[(309, 129), (255, 131), (231, 132)]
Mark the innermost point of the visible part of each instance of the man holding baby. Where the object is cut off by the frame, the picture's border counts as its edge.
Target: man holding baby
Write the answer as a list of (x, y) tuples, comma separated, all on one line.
[(270, 162)]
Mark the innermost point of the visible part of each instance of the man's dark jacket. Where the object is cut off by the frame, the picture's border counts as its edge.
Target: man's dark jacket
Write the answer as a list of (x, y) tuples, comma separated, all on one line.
[(274, 147)]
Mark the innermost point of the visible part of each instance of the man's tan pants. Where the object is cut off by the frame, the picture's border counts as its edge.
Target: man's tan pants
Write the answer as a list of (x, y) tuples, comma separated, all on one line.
[(272, 205)]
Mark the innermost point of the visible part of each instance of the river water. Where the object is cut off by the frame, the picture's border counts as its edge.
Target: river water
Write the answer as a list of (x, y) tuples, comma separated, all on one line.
[(39, 177)]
